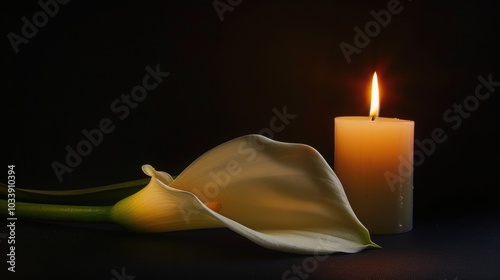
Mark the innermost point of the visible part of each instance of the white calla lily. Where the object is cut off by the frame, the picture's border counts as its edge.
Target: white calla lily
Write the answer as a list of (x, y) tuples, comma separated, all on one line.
[(282, 196)]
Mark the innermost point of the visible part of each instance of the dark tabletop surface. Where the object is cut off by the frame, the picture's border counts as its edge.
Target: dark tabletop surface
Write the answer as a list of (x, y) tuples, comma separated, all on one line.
[(455, 247)]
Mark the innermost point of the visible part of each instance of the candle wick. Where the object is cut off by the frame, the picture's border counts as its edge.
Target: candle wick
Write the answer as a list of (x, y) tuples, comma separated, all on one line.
[(373, 117)]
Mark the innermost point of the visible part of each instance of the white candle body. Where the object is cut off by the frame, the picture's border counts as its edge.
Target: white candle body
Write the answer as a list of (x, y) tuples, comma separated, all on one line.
[(374, 162)]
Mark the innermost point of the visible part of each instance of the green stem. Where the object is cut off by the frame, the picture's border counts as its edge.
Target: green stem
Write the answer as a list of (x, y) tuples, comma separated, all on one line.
[(57, 212), (104, 195)]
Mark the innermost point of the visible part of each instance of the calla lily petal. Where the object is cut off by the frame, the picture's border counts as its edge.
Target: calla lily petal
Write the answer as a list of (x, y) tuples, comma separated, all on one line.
[(160, 208), (282, 196)]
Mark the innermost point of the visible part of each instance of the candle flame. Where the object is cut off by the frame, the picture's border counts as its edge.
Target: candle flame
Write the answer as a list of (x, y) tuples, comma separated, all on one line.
[(374, 108)]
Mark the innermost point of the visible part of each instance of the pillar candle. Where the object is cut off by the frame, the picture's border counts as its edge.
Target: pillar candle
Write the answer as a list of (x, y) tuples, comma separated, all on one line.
[(374, 162)]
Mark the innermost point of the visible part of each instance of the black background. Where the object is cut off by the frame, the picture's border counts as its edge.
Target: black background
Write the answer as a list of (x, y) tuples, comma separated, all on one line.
[(227, 76)]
